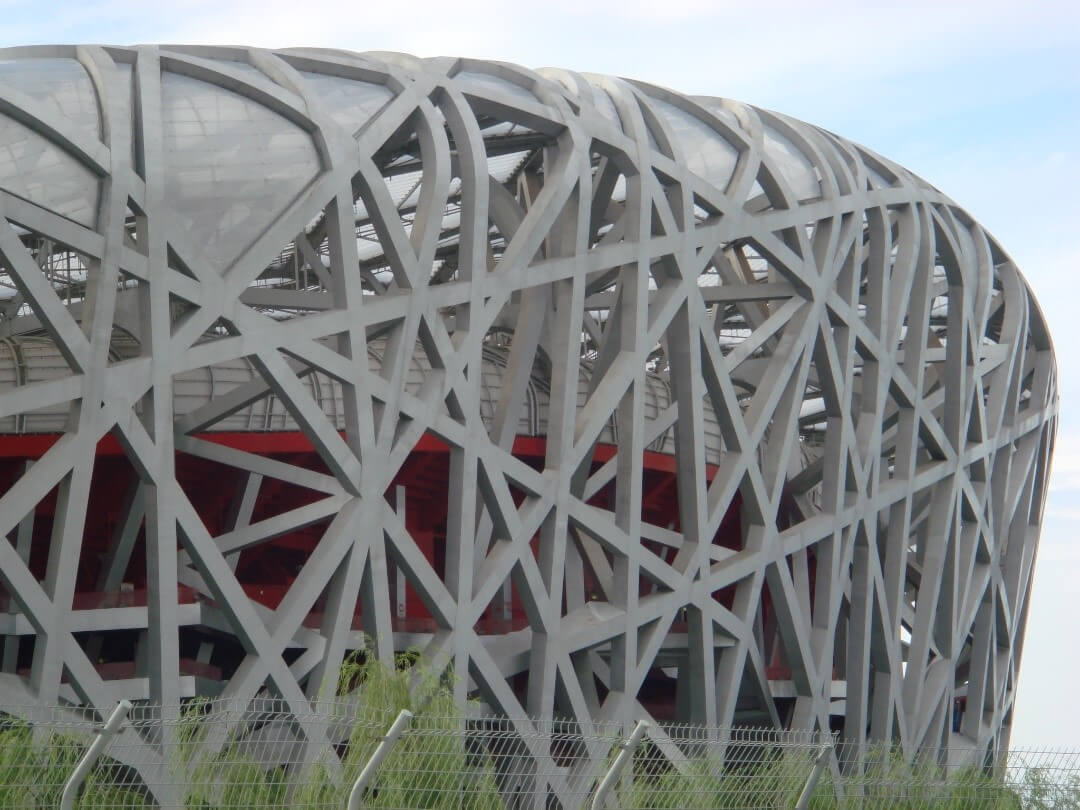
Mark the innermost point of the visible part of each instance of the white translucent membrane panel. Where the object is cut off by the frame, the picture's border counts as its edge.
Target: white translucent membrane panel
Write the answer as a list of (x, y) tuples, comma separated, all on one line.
[(878, 180), (126, 89), (593, 93), (784, 157), (253, 74), (350, 103), (60, 85), (706, 152), (231, 166), (605, 105), (600, 98), (493, 86), (781, 155), (37, 170)]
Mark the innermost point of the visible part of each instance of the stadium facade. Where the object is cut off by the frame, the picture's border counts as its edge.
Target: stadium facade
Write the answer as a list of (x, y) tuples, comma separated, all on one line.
[(620, 403)]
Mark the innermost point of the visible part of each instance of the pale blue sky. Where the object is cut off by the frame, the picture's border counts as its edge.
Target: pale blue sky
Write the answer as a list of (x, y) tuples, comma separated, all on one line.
[(982, 99)]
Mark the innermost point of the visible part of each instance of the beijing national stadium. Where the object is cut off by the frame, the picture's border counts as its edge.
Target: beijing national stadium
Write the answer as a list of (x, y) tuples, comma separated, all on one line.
[(614, 402)]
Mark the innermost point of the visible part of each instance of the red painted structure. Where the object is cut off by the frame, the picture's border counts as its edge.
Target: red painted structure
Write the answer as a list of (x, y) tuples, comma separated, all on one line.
[(266, 570)]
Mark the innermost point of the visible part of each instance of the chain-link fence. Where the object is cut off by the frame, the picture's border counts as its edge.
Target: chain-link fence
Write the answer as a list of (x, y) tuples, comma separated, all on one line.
[(216, 755)]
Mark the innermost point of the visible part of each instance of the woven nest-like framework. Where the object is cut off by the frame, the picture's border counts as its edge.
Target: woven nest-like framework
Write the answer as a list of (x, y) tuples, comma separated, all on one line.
[(791, 408)]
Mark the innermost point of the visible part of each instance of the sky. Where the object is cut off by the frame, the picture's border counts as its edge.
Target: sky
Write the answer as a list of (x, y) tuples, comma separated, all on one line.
[(981, 99)]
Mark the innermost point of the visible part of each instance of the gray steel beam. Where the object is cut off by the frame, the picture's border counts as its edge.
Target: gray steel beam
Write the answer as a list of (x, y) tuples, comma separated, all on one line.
[(834, 355)]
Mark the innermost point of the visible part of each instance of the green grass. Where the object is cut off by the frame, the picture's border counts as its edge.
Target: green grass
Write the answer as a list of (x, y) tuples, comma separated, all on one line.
[(33, 773), (776, 780), (431, 767)]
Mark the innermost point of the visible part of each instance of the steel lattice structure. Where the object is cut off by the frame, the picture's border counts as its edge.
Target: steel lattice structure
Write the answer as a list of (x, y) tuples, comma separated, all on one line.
[(616, 402)]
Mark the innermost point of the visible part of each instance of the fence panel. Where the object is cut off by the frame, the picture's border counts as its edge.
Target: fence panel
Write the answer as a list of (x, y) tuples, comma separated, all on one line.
[(215, 755)]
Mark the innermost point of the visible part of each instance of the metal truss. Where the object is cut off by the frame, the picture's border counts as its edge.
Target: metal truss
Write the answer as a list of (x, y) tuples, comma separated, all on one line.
[(796, 406)]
